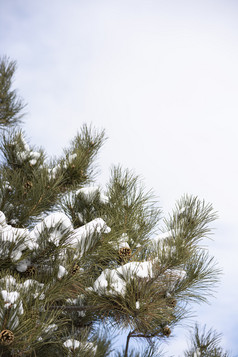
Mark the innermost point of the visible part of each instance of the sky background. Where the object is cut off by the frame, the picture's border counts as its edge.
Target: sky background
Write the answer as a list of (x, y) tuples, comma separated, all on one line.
[(161, 77)]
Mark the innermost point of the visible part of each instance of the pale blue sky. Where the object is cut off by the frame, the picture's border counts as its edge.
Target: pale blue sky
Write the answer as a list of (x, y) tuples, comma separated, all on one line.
[(161, 77)]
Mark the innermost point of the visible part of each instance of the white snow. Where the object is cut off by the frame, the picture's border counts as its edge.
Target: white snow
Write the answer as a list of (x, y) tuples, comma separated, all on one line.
[(3, 222), (197, 353), (14, 322), (70, 343), (9, 281), (10, 297), (176, 273), (33, 162), (103, 198), (91, 191), (110, 282), (173, 276), (50, 328), (62, 271), (16, 255), (57, 224), (12, 234), (137, 304), (121, 242), (80, 216), (40, 296), (22, 155), (81, 313), (58, 221), (86, 346), (20, 308), (60, 224), (26, 153), (23, 264), (71, 158), (7, 235), (72, 301), (35, 155), (162, 236), (124, 237), (53, 172), (31, 282), (182, 210), (55, 237), (25, 145), (139, 269), (123, 245), (88, 191), (6, 186), (13, 221), (10, 284), (89, 346), (83, 236)]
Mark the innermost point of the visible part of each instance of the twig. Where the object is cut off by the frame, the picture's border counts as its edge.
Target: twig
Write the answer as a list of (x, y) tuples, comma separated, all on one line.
[(127, 342), (37, 203), (74, 308)]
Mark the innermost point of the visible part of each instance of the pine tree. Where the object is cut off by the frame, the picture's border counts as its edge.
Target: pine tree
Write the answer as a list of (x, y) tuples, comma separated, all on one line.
[(75, 258), (205, 344)]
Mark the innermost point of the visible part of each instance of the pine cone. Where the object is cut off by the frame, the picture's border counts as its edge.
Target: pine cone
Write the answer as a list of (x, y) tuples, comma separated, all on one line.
[(124, 253), (75, 269), (166, 331), (171, 302), (30, 271), (6, 337), (28, 185)]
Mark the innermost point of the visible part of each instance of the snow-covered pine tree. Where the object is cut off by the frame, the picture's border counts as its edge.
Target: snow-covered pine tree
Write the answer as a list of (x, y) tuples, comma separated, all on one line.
[(75, 258)]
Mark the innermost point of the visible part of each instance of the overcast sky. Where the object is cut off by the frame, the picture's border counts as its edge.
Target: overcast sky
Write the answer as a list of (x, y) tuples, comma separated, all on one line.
[(161, 77)]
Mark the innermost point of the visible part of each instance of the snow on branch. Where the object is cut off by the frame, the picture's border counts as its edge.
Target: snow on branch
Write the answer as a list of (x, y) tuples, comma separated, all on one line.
[(113, 281), (82, 237), (24, 152), (84, 346), (90, 193), (56, 225)]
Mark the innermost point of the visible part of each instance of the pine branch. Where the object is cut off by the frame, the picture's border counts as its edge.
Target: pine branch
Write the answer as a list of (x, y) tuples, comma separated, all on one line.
[(127, 343), (10, 105)]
